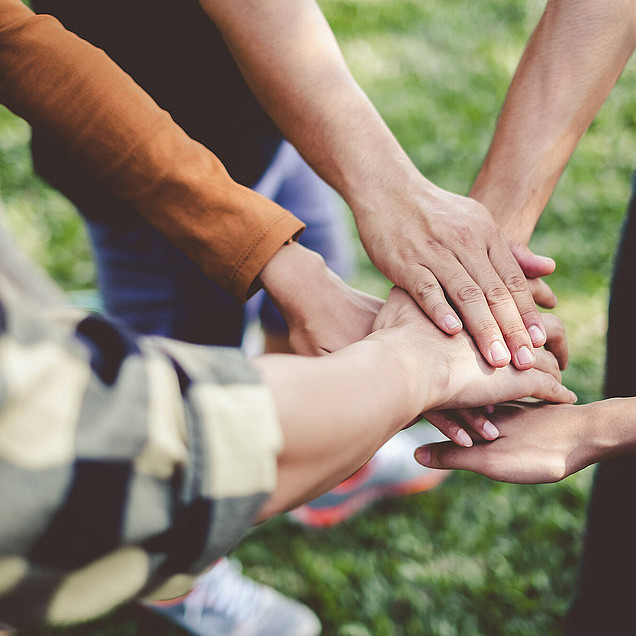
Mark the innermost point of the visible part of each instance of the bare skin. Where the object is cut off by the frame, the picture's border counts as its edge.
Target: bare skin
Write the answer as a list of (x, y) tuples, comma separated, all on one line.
[(571, 63), (337, 410), (543, 443), (322, 312), (568, 69), (464, 426), (424, 239)]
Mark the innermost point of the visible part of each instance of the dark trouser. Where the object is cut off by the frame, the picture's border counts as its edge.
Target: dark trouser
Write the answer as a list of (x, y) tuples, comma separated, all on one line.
[(606, 595)]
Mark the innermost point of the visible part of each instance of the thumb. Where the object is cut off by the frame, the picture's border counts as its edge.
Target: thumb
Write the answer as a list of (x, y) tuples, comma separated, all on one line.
[(532, 265)]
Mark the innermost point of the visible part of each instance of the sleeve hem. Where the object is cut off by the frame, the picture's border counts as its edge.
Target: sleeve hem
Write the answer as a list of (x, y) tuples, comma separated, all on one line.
[(243, 279)]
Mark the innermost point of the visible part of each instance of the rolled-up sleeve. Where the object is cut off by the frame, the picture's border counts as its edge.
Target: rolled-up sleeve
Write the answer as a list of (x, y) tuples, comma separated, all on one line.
[(82, 99), (128, 464)]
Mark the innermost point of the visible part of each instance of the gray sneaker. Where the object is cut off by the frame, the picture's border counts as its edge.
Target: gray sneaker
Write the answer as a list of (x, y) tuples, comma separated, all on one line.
[(226, 603)]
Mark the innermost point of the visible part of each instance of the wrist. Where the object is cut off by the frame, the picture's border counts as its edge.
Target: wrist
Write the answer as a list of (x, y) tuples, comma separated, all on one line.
[(422, 379), (398, 188), (613, 427), (501, 197), (290, 273)]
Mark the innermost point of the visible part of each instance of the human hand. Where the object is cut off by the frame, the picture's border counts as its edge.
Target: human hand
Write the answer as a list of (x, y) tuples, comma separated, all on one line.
[(457, 375), (442, 242), (322, 312), (464, 425), (537, 444)]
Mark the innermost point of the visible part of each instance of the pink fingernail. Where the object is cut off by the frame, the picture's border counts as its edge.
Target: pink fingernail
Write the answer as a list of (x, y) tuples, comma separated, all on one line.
[(491, 430), (525, 356), (464, 438), (451, 323), (490, 409), (536, 335), (498, 351)]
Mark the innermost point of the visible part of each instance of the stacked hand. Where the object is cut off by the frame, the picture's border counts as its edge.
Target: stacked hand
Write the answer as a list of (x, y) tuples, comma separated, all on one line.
[(449, 247), (450, 372), (323, 313), (536, 444), (463, 426)]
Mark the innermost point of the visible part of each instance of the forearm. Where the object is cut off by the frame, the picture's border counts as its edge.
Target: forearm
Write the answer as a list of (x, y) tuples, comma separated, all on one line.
[(116, 130), (293, 64), (335, 412), (570, 65), (612, 426)]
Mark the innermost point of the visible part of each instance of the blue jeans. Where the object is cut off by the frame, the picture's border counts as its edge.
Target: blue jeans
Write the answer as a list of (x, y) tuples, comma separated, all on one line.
[(606, 589), (153, 287)]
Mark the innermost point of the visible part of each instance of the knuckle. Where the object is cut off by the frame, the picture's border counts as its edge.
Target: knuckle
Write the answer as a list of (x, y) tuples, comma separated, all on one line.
[(438, 308), (516, 282), (485, 329), (465, 235), (515, 331), (425, 288), (552, 367), (492, 232), (469, 293), (496, 294), (434, 245), (552, 385)]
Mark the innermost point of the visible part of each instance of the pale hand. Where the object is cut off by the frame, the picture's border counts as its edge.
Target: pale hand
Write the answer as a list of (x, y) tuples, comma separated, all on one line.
[(463, 426), (451, 372)]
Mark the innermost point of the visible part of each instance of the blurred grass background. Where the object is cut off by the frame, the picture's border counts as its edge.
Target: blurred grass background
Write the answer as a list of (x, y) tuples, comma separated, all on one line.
[(472, 557)]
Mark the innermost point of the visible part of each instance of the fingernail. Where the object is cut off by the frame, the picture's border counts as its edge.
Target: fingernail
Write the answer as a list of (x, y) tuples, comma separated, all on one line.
[(450, 322), (547, 259), (490, 409), (464, 438), (524, 355), (491, 430), (536, 335), (423, 455), (498, 351), (574, 396)]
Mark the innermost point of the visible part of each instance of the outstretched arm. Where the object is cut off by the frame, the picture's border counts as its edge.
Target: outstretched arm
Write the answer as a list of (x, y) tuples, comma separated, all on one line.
[(188, 445), (570, 65), (422, 238)]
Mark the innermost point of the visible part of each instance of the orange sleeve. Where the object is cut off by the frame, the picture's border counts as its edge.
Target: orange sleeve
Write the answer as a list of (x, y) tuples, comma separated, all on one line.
[(75, 92)]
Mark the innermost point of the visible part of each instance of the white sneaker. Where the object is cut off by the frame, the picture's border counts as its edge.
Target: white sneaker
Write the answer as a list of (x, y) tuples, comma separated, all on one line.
[(226, 603)]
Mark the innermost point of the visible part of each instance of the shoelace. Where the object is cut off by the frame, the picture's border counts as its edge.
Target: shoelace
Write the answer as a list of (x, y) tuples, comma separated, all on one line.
[(229, 592)]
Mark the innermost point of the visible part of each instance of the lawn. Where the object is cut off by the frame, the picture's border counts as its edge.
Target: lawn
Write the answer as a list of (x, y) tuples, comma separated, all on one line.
[(473, 556)]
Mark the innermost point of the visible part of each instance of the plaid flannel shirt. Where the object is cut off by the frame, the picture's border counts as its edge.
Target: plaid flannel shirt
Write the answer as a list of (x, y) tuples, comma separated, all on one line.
[(128, 464)]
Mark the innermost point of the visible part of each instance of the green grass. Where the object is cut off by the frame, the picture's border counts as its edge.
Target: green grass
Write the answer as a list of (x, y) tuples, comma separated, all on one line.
[(472, 557)]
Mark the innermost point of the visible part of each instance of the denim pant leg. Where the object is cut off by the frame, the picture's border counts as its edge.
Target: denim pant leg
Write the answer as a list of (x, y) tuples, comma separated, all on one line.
[(606, 588), (154, 288)]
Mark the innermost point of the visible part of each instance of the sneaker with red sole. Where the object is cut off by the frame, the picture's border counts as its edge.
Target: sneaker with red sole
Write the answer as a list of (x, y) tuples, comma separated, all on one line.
[(392, 472)]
